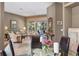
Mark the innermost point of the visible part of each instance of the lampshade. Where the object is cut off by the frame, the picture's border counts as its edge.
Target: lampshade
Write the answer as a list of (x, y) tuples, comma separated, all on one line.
[(24, 28), (21, 30), (56, 47), (6, 28)]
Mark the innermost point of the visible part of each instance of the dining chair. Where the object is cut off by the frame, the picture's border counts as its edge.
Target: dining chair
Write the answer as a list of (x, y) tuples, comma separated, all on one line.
[(11, 47), (9, 50), (64, 45), (77, 51), (4, 53), (6, 36), (35, 42)]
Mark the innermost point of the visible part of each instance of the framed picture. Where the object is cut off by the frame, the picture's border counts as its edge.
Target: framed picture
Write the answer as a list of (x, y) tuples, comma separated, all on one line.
[(13, 25)]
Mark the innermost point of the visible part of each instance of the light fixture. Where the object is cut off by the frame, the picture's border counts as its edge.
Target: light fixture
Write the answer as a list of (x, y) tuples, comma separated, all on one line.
[(20, 8), (24, 28), (6, 28)]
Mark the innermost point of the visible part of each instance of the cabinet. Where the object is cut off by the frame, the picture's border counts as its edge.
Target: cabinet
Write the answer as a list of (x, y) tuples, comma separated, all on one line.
[(73, 33)]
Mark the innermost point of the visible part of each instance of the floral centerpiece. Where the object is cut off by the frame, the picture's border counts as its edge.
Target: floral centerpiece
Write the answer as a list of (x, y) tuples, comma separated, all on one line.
[(46, 44)]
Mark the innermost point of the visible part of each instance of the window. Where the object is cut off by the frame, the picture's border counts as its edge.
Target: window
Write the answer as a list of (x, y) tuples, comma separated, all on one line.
[(35, 26)]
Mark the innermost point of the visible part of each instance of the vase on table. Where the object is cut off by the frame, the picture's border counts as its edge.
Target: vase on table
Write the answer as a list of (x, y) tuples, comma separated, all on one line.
[(46, 44), (45, 50)]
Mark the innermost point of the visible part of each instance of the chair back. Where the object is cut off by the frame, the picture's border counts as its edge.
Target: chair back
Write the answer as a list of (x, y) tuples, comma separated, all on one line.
[(78, 51), (9, 50), (11, 47), (4, 53), (64, 44)]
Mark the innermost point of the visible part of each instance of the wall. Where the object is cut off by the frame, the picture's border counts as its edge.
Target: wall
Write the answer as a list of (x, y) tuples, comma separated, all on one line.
[(51, 13), (67, 19), (58, 16), (71, 17), (75, 17), (9, 17), (1, 25), (55, 11)]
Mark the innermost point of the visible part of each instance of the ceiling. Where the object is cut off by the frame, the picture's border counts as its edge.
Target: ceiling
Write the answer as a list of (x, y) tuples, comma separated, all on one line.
[(27, 8)]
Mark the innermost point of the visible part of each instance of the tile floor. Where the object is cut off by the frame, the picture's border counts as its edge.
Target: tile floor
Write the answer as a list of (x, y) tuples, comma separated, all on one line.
[(23, 48)]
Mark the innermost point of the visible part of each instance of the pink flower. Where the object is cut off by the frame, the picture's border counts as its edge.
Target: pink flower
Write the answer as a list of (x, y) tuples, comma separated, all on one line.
[(47, 42)]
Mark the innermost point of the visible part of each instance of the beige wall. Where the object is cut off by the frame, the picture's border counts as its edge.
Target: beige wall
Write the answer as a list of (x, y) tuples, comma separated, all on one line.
[(51, 13), (1, 25), (75, 17), (55, 11), (19, 19), (67, 20), (71, 17), (58, 16)]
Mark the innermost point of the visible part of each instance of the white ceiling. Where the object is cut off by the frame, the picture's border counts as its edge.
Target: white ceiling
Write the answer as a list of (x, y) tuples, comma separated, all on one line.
[(27, 8)]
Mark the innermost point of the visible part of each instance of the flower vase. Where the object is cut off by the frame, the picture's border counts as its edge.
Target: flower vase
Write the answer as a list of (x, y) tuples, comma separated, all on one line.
[(45, 50)]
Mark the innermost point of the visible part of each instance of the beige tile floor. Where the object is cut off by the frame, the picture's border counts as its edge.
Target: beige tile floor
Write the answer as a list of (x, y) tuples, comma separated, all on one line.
[(23, 48)]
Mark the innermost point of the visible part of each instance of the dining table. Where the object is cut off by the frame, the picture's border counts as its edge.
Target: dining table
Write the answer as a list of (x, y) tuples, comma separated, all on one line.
[(41, 52)]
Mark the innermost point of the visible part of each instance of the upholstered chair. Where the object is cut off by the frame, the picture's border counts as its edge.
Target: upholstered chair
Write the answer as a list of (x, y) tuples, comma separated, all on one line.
[(64, 45)]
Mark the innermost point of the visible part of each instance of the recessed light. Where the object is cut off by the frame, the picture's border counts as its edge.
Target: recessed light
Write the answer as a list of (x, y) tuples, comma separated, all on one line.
[(20, 8)]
